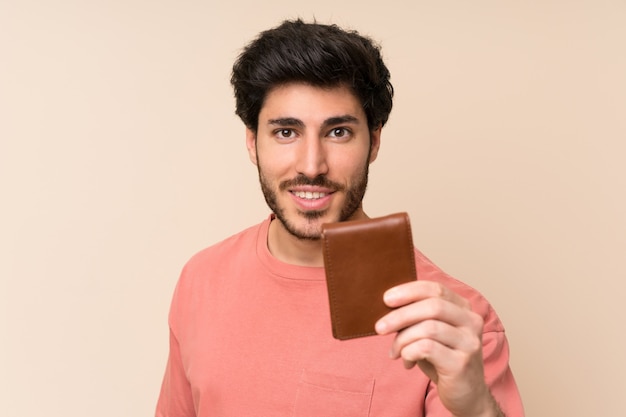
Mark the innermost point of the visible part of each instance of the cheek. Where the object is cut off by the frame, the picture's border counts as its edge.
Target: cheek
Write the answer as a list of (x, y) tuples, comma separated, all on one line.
[(274, 165), (349, 165)]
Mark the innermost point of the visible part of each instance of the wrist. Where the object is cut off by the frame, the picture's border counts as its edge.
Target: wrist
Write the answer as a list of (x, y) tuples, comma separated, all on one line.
[(487, 407)]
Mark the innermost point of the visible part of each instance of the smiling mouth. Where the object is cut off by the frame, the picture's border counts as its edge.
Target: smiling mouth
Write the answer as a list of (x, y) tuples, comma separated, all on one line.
[(309, 195)]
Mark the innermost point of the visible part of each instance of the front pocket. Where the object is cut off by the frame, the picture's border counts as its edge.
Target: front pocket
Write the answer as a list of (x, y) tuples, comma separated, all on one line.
[(321, 395)]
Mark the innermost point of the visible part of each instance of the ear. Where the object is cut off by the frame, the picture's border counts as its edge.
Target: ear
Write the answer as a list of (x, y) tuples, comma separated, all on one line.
[(375, 143), (251, 145)]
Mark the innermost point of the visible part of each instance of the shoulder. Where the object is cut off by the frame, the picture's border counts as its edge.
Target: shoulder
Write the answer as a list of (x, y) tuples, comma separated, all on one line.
[(206, 273), (427, 270), (204, 269), (233, 246)]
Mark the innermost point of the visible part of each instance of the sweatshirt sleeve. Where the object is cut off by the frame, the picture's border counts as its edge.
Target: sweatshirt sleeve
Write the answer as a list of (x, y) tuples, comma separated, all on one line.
[(176, 396), (498, 375), (175, 399)]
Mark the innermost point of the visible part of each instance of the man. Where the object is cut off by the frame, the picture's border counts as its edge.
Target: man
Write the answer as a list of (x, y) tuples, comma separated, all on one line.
[(250, 330)]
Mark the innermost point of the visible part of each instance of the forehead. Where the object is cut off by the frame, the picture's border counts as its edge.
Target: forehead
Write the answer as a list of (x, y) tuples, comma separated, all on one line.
[(310, 104)]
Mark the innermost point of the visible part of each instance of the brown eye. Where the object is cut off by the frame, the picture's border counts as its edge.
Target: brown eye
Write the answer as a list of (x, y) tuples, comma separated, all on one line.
[(339, 132), (285, 133)]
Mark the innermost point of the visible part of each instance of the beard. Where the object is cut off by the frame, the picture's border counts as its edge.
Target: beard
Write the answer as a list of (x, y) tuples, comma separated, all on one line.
[(354, 197)]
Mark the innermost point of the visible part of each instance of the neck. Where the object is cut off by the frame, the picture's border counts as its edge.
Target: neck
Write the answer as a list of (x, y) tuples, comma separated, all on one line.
[(292, 250)]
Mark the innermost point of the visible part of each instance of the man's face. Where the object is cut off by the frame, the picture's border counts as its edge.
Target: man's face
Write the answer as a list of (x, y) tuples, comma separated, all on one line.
[(312, 149)]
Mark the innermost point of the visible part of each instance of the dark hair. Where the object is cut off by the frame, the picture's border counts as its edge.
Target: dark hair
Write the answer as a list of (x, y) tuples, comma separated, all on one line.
[(316, 54)]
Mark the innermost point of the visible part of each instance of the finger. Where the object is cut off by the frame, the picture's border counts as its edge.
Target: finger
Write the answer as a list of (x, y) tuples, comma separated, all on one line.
[(434, 358), (443, 333), (425, 350), (440, 363), (426, 367), (430, 309), (421, 290)]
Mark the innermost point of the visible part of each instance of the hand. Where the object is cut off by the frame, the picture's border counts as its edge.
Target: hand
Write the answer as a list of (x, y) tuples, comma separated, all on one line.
[(437, 330)]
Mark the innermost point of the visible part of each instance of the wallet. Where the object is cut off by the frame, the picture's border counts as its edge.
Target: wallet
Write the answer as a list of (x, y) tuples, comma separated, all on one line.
[(363, 259)]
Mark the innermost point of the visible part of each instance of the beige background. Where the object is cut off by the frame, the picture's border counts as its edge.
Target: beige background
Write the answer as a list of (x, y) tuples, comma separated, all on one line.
[(120, 156)]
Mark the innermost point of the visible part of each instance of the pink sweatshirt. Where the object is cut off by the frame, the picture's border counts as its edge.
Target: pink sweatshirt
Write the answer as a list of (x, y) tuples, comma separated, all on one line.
[(251, 336)]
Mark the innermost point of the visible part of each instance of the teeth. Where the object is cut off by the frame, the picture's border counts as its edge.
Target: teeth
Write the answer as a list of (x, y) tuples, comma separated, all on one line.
[(309, 195)]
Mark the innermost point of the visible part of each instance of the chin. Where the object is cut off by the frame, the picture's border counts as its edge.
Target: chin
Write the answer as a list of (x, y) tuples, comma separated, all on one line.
[(307, 225)]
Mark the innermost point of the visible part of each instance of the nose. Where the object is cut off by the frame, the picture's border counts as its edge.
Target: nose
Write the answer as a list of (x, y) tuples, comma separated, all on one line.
[(312, 158)]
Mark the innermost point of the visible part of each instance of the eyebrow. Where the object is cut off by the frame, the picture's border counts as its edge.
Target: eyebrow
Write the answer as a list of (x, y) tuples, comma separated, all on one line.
[(286, 121), (338, 120), (331, 121)]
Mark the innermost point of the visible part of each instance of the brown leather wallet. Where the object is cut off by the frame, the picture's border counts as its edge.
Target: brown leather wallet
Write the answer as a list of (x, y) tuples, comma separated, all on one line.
[(363, 259)]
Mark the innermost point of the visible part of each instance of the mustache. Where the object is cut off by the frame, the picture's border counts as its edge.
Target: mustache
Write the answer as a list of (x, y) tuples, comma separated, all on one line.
[(319, 181)]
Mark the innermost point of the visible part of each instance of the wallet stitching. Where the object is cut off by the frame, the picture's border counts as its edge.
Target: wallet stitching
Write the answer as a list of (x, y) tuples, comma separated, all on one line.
[(330, 280), (410, 244)]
